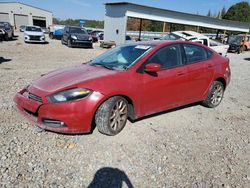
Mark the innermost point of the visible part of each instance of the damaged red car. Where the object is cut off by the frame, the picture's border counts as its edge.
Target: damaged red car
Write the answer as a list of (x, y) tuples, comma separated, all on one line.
[(129, 81)]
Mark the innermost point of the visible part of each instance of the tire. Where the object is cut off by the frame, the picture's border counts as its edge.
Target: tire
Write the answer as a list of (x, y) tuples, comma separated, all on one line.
[(6, 37), (112, 115), (244, 48), (62, 41), (215, 95), (69, 43), (51, 36)]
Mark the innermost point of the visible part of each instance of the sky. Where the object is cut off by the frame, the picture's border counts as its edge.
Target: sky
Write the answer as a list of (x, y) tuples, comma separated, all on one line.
[(95, 9)]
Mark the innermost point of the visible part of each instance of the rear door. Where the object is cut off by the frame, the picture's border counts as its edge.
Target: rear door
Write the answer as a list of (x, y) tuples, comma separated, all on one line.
[(163, 89)]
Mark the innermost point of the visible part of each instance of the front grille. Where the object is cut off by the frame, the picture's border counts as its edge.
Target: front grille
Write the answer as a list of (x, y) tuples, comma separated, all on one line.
[(35, 97), (83, 38), (34, 37)]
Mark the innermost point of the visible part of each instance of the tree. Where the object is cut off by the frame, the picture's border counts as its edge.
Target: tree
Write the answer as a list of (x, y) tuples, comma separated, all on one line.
[(239, 12), (223, 12), (76, 22), (209, 14)]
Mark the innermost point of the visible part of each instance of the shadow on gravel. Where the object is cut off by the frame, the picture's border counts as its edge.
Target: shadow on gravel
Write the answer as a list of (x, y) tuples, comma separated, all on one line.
[(108, 177), (166, 112), (247, 59), (37, 43), (13, 38), (3, 60)]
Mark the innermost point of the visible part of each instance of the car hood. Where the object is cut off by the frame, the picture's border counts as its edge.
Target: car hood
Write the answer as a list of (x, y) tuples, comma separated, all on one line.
[(81, 36), (33, 33), (69, 77)]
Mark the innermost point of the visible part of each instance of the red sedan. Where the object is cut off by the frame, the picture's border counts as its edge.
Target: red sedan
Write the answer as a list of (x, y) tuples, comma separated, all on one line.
[(129, 81)]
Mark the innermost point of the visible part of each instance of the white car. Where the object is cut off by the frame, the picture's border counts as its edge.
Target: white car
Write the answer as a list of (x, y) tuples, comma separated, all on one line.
[(197, 37), (34, 34)]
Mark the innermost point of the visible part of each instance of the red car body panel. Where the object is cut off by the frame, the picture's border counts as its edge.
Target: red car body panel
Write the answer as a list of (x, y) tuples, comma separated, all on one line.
[(148, 93)]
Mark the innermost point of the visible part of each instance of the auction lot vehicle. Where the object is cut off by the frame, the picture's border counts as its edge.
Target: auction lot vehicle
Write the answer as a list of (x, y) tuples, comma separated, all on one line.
[(7, 28), (199, 38), (76, 37), (2, 34), (132, 80), (22, 28), (56, 31), (238, 43), (34, 34)]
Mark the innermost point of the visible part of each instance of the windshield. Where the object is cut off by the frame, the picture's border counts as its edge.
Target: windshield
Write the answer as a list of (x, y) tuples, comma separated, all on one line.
[(78, 30), (234, 40), (121, 58), (35, 29)]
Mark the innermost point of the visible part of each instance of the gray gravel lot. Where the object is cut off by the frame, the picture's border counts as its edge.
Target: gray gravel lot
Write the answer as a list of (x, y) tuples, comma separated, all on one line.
[(189, 147)]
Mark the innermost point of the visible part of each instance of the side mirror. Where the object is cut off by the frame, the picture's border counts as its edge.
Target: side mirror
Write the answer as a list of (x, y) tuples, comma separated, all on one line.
[(152, 67)]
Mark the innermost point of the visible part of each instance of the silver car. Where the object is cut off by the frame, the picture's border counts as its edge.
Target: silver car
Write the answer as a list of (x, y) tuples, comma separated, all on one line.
[(34, 34)]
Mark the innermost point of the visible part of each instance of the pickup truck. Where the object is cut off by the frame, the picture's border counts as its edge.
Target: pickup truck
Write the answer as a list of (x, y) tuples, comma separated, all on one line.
[(197, 37)]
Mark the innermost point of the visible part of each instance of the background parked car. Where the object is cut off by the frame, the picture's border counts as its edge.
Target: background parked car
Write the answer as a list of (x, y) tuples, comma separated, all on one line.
[(94, 35), (76, 37), (2, 34), (34, 34), (45, 30), (199, 38), (56, 31), (238, 43), (22, 28), (8, 29)]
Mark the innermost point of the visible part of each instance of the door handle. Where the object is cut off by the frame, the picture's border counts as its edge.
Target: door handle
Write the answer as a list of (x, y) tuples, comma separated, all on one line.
[(180, 73), (209, 66)]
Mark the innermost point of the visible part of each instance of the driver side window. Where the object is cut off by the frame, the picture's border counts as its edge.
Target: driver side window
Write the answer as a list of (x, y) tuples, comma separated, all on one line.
[(167, 57)]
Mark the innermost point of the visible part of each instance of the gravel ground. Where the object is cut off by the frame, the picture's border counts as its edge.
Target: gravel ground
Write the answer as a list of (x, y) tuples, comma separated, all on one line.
[(189, 147)]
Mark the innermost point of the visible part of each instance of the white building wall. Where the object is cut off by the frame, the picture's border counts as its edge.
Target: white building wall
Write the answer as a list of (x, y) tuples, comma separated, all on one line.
[(22, 9), (115, 24)]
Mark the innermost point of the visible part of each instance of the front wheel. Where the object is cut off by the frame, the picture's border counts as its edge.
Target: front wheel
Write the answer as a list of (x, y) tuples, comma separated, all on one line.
[(69, 43), (215, 95), (111, 116)]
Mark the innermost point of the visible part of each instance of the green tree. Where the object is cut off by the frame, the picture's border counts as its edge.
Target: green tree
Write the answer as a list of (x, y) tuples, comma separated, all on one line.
[(209, 14), (239, 12), (223, 12)]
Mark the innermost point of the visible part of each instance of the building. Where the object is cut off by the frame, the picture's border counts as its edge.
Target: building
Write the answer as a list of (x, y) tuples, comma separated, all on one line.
[(18, 14), (117, 14)]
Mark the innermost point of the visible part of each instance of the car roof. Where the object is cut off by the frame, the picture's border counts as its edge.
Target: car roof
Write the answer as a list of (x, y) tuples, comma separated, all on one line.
[(161, 43)]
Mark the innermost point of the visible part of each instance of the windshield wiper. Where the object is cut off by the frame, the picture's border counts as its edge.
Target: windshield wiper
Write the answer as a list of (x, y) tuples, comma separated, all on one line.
[(102, 65)]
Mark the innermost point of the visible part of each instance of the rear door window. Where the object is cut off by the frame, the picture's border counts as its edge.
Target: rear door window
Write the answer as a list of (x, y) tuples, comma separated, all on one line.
[(195, 53)]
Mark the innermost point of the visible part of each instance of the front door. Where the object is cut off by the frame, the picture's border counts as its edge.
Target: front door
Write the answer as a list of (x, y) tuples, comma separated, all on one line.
[(164, 89)]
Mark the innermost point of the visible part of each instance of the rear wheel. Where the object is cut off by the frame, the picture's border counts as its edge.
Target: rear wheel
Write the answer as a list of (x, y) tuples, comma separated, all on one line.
[(111, 116), (215, 95)]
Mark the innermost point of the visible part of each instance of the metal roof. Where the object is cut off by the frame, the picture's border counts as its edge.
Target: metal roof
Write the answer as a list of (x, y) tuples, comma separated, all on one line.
[(26, 5), (185, 15)]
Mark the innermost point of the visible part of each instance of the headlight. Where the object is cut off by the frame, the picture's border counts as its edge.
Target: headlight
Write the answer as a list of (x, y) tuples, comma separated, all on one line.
[(90, 38), (73, 37), (69, 95)]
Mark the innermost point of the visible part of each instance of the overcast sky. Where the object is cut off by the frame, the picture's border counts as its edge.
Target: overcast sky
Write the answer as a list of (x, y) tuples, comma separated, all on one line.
[(95, 9)]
